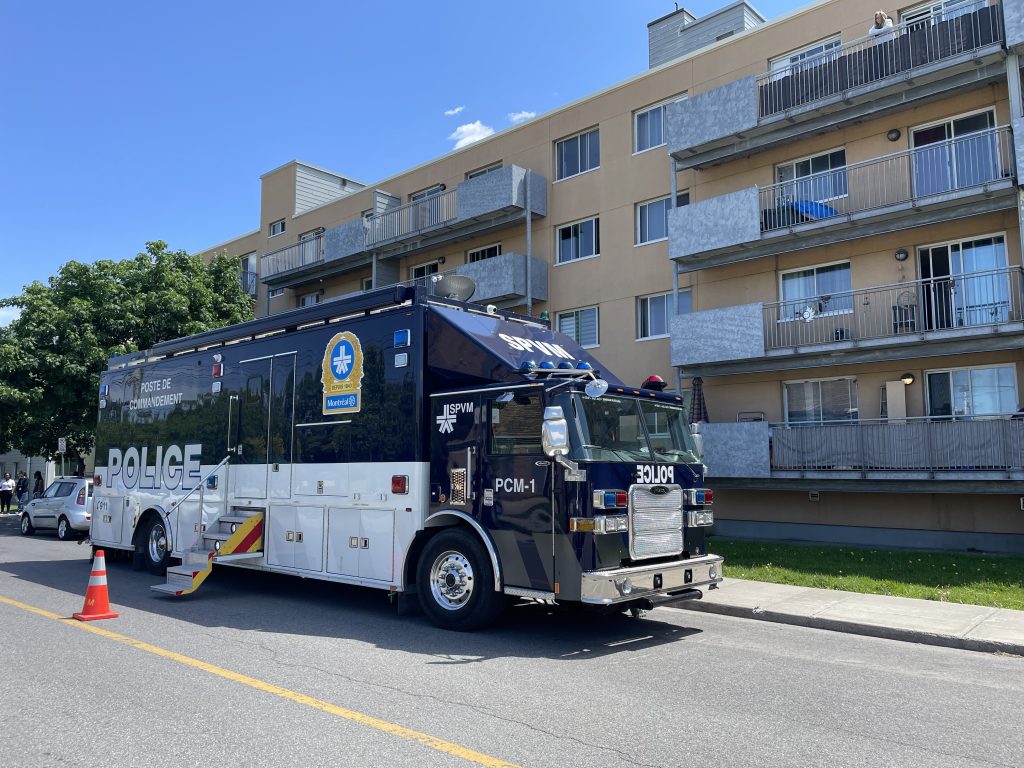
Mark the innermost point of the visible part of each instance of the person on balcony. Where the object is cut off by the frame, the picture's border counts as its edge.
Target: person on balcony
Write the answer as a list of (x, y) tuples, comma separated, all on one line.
[(882, 29)]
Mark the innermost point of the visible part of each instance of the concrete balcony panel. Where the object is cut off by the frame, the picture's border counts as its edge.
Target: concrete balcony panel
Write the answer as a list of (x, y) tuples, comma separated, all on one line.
[(711, 116), (736, 449), (344, 240), (502, 279), (717, 335), (714, 225), (1013, 19), (500, 192)]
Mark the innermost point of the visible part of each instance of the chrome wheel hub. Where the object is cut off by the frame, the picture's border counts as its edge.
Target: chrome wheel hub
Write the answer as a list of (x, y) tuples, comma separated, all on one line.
[(24, 524), (157, 543), (451, 580), (62, 528)]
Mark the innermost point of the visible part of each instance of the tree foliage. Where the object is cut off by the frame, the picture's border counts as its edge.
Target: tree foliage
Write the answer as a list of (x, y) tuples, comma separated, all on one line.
[(52, 354)]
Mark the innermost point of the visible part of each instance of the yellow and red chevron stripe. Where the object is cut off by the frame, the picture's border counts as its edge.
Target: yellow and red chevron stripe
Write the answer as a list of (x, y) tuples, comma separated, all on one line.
[(247, 538)]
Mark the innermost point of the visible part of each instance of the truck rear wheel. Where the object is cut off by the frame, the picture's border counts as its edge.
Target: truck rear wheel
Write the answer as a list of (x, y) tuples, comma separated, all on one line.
[(153, 543), (455, 580)]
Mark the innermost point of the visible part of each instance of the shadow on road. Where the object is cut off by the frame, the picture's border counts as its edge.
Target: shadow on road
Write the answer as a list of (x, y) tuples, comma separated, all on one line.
[(262, 602)]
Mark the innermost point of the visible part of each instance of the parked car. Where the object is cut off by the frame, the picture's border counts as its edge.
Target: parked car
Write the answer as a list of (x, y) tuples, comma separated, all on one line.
[(65, 505)]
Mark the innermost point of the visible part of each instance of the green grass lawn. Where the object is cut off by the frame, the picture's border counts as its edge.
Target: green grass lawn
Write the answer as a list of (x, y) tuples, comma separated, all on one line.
[(990, 580)]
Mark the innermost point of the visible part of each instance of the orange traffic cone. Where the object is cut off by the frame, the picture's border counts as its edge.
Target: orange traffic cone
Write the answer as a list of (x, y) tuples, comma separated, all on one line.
[(97, 605)]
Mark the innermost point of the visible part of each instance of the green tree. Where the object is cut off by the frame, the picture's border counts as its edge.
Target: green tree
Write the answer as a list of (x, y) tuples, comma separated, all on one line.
[(52, 354)]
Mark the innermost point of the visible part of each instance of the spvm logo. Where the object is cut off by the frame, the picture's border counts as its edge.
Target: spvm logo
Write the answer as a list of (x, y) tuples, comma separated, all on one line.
[(446, 421)]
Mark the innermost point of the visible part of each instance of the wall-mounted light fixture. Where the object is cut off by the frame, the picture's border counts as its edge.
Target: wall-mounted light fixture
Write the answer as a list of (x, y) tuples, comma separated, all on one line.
[(893, 135), (441, 260), (907, 378), (901, 254)]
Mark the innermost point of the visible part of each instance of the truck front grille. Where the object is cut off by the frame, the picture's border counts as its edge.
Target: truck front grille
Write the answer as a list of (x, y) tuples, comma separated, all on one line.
[(655, 522)]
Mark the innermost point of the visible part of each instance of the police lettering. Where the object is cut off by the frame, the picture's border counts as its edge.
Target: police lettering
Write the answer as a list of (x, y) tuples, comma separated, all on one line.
[(528, 345), (647, 473), (164, 468)]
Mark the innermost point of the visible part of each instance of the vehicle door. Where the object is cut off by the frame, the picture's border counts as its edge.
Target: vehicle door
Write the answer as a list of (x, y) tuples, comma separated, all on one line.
[(46, 510), (249, 464), (516, 478)]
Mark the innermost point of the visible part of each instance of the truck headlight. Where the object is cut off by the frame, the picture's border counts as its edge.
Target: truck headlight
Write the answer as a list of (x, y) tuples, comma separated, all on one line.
[(713, 572), (700, 517)]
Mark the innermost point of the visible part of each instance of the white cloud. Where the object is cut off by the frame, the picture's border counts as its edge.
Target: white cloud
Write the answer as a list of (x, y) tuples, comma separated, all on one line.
[(520, 117), (470, 132), (454, 111), (8, 314)]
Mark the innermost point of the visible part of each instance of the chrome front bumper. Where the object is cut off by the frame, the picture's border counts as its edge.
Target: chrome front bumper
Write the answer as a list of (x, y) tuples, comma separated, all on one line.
[(606, 587)]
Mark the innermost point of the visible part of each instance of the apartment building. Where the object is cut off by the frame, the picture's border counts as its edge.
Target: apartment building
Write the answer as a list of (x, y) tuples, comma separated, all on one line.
[(820, 224)]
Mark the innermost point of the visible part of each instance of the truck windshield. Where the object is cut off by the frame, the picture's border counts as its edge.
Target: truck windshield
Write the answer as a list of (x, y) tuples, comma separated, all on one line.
[(626, 429)]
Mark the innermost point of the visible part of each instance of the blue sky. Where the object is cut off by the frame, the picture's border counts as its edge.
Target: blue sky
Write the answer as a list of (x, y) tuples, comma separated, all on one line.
[(126, 122)]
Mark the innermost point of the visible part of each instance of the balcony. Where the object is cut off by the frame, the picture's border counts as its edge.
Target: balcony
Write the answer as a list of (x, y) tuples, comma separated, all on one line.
[(926, 450), (475, 207), (965, 176), (966, 312), (248, 278), (301, 257), (916, 63)]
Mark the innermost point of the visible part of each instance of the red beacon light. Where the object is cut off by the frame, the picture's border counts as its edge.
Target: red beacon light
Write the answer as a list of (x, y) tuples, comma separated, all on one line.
[(654, 382)]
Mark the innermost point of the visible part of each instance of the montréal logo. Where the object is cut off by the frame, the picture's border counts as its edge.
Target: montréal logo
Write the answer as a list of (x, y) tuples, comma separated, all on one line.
[(446, 421)]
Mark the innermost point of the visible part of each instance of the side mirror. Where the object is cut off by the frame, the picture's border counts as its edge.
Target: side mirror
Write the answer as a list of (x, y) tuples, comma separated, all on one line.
[(554, 432)]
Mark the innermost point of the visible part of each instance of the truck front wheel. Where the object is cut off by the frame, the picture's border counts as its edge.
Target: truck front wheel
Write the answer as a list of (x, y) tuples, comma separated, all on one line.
[(455, 580)]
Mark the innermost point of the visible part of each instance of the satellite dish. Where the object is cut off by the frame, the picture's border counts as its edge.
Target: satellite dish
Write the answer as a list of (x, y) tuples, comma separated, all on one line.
[(596, 387), (452, 286), (808, 314)]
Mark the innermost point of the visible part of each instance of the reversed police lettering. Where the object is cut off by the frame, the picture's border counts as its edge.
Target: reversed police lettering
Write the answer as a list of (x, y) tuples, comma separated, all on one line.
[(172, 467), (529, 345), (649, 474)]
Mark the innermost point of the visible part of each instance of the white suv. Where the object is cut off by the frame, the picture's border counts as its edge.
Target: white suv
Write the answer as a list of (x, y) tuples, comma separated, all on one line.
[(66, 505)]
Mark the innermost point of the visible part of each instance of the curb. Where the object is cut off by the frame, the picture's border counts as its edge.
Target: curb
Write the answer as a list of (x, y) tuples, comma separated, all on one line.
[(854, 628)]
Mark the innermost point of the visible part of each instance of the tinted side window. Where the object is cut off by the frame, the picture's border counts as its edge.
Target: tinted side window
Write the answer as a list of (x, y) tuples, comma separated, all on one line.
[(515, 426)]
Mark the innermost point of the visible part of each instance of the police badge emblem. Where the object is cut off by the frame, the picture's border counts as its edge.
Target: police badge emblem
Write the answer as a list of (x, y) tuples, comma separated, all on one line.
[(342, 374)]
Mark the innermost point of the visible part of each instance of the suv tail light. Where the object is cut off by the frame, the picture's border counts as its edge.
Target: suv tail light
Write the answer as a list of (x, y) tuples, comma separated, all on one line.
[(80, 501)]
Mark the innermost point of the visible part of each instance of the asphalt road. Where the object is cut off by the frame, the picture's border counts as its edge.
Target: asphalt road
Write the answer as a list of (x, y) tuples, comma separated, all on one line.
[(260, 670)]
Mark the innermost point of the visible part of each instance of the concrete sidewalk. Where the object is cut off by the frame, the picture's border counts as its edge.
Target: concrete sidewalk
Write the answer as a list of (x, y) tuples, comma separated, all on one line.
[(953, 625)]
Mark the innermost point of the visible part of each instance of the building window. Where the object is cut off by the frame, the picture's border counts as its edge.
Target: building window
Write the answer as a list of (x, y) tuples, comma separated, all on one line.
[(652, 220), (963, 283), (487, 252), (805, 58), (367, 284), (809, 292), (273, 293), (579, 241), (821, 400), (956, 154), (933, 13), (247, 267), (483, 171), (577, 154), (652, 316), (309, 299), (423, 194), (682, 198), (649, 126), (987, 391), (277, 228), (581, 325), (818, 178)]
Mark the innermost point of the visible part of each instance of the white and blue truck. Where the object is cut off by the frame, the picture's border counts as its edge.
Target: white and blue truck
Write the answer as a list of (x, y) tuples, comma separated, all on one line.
[(408, 442)]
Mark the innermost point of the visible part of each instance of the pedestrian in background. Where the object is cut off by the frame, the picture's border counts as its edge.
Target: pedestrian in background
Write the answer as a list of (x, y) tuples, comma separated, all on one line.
[(6, 492), (37, 486), (21, 489)]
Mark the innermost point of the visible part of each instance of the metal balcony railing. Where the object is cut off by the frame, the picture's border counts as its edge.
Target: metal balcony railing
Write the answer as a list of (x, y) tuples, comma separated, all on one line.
[(989, 298), (248, 278), (928, 443), (411, 219), (300, 254), (956, 29), (945, 166)]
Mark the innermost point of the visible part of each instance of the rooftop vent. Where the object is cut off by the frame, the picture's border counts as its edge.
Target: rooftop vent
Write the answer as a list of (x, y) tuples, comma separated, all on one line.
[(680, 32)]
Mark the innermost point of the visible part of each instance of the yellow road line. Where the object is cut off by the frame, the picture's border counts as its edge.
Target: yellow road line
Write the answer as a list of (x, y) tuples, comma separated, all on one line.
[(299, 698)]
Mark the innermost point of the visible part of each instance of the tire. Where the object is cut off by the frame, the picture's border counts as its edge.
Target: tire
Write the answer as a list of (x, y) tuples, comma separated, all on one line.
[(64, 530), (455, 581), (152, 546), (27, 529)]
